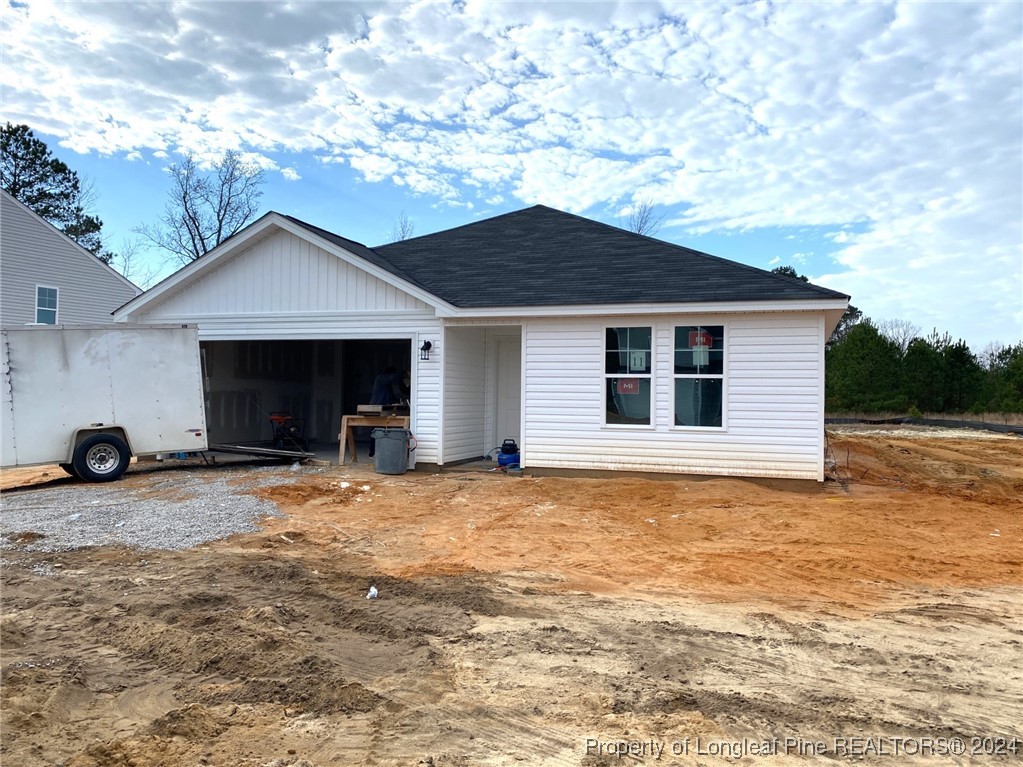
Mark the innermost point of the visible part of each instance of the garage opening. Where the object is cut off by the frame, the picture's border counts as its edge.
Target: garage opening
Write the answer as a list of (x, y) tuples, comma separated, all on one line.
[(252, 385)]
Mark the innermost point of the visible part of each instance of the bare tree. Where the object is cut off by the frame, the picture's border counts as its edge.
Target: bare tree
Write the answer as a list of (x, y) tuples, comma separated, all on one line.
[(403, 228), (643, 220), (129, 262), (206, 207), (990, 354), (899, 332)]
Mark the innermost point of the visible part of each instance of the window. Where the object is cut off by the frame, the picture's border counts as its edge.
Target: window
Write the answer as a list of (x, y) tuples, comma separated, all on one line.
[(627, 369), (46, 305), (699, 375)]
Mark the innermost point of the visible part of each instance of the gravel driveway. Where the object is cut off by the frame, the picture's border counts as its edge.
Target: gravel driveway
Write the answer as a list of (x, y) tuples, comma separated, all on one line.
[(173, 509)]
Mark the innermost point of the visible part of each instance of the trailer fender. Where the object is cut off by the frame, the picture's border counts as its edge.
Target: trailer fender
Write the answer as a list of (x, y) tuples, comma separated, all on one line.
[(82, 433), (101, 454)]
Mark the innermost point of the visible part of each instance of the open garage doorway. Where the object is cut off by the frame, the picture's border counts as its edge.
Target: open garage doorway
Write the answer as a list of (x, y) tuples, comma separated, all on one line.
[(314, 382)]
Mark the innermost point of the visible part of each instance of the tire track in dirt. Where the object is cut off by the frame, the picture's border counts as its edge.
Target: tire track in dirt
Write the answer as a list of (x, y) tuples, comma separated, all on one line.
[(723, 609)]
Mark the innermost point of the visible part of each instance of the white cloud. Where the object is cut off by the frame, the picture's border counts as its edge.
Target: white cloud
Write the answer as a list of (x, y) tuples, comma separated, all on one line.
[(290, 174), (899, 118)]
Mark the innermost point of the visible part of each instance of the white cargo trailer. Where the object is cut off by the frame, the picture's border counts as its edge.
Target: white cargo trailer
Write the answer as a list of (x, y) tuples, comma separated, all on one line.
[(91, 397)]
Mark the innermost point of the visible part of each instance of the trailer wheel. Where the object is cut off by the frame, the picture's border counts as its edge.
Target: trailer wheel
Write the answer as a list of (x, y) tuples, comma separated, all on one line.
[(70, 469), (101, 458)]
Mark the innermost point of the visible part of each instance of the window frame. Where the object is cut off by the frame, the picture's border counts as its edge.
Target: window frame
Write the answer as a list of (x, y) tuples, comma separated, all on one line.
[(55, 309), (722, 376), (651, 425)]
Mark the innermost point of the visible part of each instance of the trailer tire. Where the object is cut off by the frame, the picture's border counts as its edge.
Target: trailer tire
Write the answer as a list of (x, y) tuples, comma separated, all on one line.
[(101, 458), (70, 469)]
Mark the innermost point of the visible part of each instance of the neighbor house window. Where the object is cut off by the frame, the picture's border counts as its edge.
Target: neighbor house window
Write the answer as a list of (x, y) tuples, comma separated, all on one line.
[(46, 305), (627, 369), (699, 375)]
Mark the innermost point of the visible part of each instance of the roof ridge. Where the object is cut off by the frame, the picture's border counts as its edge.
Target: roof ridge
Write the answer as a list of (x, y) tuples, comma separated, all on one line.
[(465, 226)]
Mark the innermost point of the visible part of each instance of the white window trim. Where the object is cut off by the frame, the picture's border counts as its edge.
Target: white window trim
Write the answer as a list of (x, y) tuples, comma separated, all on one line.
[(723, 376), (56, 310), (652, 426)]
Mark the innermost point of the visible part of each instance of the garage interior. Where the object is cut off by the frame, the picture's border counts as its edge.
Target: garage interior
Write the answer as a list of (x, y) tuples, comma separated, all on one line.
[(314, 381)]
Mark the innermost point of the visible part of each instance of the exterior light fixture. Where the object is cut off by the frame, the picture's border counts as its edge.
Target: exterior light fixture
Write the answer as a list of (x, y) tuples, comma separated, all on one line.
[(424, 350)]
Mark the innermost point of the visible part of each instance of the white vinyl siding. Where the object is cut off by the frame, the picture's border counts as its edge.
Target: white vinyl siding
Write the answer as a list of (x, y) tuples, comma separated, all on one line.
[(465, 415), (772, 396), (34, 253), (426, 398)]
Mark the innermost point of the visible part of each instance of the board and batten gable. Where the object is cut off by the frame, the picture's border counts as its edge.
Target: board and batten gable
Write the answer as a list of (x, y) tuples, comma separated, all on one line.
[(773, 399), (34, 253), (283, 274)]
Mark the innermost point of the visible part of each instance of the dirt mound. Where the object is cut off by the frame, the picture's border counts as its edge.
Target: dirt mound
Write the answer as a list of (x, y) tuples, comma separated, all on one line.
[(971, 469), (321, 694), (193, 722), (27, 536)]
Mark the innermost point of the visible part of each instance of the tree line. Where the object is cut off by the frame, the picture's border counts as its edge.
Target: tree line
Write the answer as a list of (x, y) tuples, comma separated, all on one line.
[(872, 370)]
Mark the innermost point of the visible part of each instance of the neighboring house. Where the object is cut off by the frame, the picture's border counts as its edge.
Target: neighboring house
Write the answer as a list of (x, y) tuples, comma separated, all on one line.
[(47, 278), (592, 347)]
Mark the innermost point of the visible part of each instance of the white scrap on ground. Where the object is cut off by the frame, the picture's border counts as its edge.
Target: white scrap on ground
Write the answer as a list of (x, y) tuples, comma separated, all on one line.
[(372, 593)]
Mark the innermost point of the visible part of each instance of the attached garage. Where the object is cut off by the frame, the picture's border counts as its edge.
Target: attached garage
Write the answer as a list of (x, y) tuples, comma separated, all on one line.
[(294, 320)]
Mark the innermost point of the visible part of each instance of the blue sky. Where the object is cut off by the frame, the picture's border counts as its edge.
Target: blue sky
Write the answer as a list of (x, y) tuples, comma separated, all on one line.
[(876, 147)]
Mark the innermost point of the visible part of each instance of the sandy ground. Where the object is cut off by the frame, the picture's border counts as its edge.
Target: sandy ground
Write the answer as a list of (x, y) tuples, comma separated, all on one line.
[(874, 619)]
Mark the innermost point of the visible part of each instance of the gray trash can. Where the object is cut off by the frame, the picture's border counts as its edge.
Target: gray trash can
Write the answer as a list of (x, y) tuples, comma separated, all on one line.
[(391, 450)]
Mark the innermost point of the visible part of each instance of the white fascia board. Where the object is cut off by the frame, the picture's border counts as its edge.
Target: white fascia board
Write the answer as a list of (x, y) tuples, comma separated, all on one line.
[(235, 333), (707, 307), (298, 318)]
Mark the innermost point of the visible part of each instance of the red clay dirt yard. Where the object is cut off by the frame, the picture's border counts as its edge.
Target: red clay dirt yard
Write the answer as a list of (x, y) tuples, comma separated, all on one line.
[(873, 619)]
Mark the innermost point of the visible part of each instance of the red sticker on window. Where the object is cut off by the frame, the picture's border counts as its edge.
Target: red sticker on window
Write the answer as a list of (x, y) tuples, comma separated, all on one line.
[(628, 386), (700, 338)]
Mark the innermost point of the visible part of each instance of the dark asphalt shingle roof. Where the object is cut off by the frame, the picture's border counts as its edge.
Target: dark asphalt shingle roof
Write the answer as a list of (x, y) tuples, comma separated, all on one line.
[(354, 247), (540, 256)]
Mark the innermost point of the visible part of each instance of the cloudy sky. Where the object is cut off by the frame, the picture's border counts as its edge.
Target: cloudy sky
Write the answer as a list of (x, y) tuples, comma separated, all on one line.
[(876, 147)]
